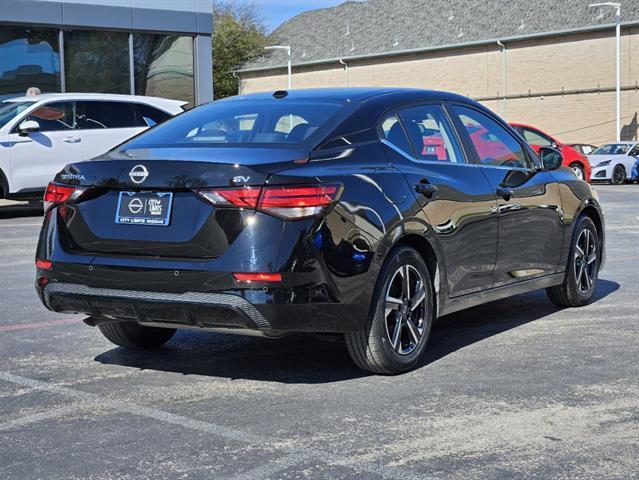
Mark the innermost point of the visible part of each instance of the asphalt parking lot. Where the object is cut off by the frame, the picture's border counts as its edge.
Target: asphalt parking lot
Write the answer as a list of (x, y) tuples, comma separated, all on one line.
[(512, 389)]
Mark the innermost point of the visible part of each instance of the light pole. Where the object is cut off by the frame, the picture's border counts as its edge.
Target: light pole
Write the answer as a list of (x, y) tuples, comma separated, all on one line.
[(617, 7), (288, 52)]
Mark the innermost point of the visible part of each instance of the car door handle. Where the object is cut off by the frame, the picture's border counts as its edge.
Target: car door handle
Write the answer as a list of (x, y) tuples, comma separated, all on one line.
[(425, 188), (72, 139), (504, 192)]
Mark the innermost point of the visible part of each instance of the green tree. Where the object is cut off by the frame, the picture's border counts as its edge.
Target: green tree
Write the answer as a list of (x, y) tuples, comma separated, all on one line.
[(238, 36)]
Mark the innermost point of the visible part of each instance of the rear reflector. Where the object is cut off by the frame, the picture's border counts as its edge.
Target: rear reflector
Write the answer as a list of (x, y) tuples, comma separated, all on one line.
[(258, 277), (57, 194), (286, 201), (43, 264)]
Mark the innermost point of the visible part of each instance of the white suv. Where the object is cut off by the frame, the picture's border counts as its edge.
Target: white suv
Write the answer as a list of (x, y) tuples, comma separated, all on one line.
[(40, 135)]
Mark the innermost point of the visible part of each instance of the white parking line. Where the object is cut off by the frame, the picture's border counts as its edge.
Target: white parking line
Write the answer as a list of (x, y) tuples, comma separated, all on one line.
[(299, 456), (276, 466), (37, 417), (166, 417)]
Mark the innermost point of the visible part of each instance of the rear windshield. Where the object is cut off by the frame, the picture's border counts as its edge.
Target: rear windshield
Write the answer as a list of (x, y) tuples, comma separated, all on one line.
[(242, 122)]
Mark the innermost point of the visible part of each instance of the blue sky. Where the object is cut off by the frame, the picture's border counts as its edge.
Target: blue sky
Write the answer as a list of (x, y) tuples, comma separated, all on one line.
[(277, 11)]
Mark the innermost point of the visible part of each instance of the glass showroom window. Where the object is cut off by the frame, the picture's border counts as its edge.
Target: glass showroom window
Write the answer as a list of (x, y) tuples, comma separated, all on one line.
[(29, 57), (97, 62), (164, 66)]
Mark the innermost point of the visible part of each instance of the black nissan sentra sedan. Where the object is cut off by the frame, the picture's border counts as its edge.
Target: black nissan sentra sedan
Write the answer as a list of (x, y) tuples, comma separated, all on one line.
[(367, 212)]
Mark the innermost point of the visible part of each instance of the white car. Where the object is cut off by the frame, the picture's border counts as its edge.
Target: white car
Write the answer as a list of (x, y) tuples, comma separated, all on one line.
[(614, 162), (40, 135)]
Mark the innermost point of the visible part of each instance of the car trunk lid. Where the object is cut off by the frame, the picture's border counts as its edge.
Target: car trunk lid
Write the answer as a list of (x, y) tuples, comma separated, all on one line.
[(186, 226)]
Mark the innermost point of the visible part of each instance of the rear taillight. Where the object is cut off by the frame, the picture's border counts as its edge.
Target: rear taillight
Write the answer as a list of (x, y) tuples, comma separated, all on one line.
[(233, 197), (286, 201), (57, 194)]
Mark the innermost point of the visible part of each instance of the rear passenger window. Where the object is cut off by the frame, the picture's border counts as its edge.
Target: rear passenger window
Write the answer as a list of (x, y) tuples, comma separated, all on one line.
[(493, 143), (393, 133), (98, 115), (150, 116), (430, 134)]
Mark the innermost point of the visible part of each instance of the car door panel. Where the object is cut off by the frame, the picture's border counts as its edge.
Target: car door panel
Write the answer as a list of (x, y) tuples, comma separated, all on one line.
[(38, 156), (461, 212), (454, 198), (35, 159), (530, 224), (529, 204)]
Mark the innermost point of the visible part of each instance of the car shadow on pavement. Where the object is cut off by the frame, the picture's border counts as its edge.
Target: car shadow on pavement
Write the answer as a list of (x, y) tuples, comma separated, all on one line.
[(18, 211), (460, 329), (313, 359)]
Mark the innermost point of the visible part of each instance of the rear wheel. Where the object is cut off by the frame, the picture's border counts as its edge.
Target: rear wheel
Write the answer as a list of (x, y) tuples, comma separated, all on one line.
[(618, 175), (401, 316), (578, 169), (132, 335), (582, 270)]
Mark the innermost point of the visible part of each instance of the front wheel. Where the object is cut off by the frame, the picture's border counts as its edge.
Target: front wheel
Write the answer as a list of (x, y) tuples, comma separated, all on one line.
[(618, 175), (133, 335), (401, 316), (579, 170), (582, 271)]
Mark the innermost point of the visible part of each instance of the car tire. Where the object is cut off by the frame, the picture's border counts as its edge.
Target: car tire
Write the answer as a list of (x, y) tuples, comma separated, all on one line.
[(580, 283), (579, 170), (618, 175), (132, 335), (380, 347), (4, 185)]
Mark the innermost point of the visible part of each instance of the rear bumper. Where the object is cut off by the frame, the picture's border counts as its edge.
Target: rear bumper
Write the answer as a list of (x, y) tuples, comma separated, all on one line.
[(200, 310), (322, 288)]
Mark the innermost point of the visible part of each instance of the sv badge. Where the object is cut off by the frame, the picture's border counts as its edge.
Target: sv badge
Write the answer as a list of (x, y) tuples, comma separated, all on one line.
[(240, 179)]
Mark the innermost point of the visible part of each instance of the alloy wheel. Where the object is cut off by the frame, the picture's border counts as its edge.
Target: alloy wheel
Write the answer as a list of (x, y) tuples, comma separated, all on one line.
[(618, 175), (405, 309), (578, 172), (585, 261)]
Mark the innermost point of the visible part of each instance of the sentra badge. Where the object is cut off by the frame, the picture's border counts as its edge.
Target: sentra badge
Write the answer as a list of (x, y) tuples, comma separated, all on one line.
[(71, 172)]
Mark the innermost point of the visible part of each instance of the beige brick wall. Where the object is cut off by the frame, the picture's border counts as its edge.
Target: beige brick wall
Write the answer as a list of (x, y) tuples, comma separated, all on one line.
[(534, 68), (474, 72)]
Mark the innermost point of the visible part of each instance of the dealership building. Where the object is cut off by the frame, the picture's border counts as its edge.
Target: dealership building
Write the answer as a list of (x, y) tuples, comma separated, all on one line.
[(548, 63), (142, 47)]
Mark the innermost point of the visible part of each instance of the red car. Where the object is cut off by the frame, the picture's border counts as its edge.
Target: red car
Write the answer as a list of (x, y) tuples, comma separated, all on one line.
[(572, 158), (487, 145)]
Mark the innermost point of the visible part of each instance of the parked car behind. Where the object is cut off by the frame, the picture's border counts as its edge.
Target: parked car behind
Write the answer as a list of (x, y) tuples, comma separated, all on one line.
[(41, 134), (583, 148), (614, 162), (366, 212), (572, 158)]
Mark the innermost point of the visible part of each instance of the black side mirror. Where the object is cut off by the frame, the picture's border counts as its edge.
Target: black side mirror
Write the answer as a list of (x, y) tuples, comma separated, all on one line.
[(551, 158)]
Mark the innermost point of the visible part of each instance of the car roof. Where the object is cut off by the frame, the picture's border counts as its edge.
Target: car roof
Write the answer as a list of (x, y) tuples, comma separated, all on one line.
[(98, 96), (356, 94)]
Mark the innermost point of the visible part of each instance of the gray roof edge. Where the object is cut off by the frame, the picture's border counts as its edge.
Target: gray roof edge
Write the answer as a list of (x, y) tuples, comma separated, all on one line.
[(451, 46)]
